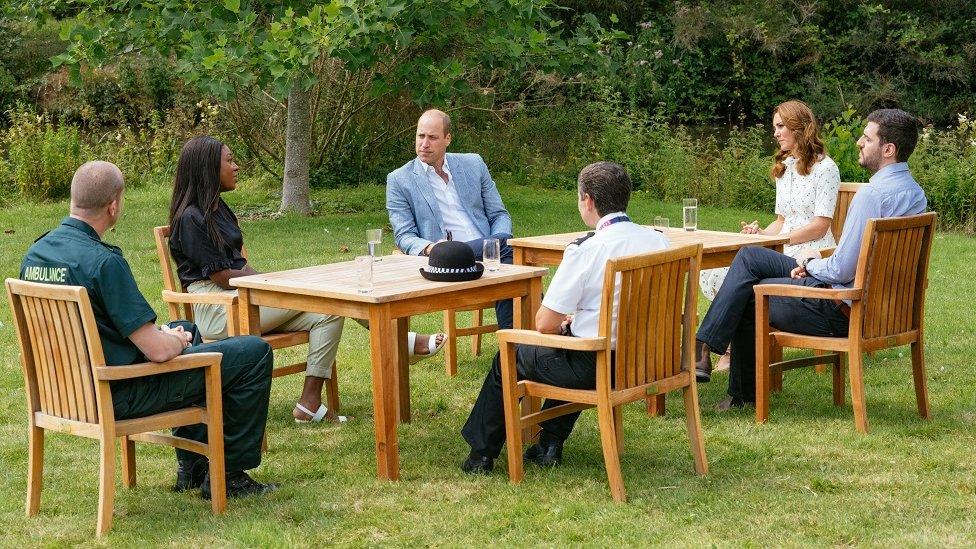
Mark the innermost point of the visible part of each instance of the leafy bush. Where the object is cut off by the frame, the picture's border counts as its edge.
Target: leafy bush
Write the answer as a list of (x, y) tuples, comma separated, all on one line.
[(42, 156), (840, 137), (943, 164)]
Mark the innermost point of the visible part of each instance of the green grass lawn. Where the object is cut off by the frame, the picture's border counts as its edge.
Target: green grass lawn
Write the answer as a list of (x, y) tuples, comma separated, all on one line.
[(805, 478)]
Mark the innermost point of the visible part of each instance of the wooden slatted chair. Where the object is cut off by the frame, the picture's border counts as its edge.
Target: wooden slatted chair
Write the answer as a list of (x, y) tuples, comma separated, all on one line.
[(887, 310), (67, 385), (654, 355), (180, 304)]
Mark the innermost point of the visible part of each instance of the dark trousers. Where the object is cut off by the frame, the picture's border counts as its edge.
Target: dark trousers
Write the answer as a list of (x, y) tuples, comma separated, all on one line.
[(732, 316), (503, 308), (245, 375), (485, 428)]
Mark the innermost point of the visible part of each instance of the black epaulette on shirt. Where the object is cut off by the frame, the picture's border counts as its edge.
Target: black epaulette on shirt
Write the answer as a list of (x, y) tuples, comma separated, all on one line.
[(582, 239)]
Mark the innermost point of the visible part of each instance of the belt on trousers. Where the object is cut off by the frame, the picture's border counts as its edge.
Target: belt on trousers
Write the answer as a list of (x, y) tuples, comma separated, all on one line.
[(844, 308)]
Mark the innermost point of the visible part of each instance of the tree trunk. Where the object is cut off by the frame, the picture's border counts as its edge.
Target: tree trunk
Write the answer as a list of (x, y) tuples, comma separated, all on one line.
[(298, 134)]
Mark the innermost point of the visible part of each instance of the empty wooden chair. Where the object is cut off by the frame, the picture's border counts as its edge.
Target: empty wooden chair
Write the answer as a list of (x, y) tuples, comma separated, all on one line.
[(180, 304), (887, 310), (654, 355), (67, 385)]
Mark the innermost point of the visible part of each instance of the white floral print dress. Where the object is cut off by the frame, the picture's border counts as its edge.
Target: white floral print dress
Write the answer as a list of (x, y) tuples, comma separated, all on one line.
[(799, 198)]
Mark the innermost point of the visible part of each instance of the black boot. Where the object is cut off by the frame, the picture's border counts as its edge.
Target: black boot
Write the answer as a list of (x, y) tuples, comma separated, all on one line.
[(549, 454), (477, 464), (190, 473), (239, 484)]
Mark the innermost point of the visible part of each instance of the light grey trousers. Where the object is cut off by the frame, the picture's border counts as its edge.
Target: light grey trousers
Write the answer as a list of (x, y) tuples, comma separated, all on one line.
[(324, 331)]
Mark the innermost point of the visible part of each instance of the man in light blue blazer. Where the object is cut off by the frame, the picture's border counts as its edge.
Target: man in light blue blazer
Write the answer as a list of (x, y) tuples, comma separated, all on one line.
[(439, 193)]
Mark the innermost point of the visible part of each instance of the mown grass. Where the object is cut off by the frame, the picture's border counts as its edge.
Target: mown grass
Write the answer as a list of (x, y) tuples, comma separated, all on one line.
[(805, 478)]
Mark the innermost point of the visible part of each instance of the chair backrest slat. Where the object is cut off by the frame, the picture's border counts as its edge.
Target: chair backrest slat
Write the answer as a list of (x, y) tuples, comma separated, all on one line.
[(892, 271), (58, 348), (170, 281), (845, 194), (653, 308)]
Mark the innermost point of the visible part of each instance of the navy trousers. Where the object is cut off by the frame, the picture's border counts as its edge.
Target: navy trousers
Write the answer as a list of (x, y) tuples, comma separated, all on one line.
[(732, 317), (245, 376), (485, 429), (503, 308)]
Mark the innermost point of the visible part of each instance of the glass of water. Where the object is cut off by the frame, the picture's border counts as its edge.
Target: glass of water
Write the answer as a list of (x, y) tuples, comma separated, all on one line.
[(364, 274), (374, 237), (662, 222), (690, 213), (491, 254)]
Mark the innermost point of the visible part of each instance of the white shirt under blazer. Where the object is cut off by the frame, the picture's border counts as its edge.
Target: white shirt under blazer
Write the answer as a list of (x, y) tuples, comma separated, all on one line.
[(577, 286)]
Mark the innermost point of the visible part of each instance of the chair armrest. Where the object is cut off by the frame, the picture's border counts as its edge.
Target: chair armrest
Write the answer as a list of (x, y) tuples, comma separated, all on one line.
[(200, 299), (182, 362), (532, 337), (788, 290), (827, 252)]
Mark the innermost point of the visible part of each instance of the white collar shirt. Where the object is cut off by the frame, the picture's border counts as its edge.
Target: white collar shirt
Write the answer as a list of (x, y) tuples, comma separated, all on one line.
[(456, 219), (577, 286)]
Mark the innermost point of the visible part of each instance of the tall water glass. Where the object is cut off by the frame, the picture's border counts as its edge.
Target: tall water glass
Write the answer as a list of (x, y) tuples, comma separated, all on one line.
[(364, 274), (374, 237), (690, 213), (491, 254)]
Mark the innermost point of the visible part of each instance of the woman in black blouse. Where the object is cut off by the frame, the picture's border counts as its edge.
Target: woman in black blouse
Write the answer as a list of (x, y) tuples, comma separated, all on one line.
[(206, 243)]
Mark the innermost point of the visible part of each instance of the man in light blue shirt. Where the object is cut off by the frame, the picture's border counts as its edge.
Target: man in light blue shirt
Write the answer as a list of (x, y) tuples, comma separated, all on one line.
[(888, 140)]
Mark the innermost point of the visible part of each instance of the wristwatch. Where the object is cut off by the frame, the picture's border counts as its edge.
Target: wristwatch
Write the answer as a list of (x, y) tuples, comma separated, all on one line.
[(804, 261)]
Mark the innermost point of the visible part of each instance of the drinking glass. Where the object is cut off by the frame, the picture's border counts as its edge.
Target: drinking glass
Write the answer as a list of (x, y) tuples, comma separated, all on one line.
[(374, 237), (661, 222), (491, 254), (364, 274), (690, 210)]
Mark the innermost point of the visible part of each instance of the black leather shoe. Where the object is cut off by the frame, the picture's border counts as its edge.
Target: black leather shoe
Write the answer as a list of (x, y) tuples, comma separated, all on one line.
[(239, 484), (477, 464), (703, 362), (550, 455), (190, 474)]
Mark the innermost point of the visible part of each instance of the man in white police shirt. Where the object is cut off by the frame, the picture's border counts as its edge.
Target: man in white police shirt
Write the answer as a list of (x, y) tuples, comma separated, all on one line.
[(570, 307)]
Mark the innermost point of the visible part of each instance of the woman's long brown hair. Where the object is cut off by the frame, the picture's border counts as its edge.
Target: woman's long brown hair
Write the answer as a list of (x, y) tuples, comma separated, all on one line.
[(799, 119)]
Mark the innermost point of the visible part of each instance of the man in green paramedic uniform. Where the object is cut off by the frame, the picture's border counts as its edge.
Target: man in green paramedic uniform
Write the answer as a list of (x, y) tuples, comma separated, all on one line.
[(74, 254)]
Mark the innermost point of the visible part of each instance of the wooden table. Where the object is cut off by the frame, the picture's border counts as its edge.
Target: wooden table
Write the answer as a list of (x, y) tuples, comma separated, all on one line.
[(719, 248), (400, 292)]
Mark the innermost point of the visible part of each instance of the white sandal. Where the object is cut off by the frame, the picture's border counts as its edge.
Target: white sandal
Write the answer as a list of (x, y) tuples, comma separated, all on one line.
[(318, 415), (432, 346)]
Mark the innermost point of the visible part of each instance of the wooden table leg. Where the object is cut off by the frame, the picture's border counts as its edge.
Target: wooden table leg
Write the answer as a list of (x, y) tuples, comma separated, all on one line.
[(518, 255), (381, 332), (526, 306), (402, 381), (250, 316)]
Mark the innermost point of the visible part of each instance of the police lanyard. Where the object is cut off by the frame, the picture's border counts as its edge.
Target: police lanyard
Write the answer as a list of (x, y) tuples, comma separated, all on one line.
[(618, 219)]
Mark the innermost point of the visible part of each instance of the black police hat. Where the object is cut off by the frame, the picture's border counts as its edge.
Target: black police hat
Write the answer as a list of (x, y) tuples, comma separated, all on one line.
[(452, 261)]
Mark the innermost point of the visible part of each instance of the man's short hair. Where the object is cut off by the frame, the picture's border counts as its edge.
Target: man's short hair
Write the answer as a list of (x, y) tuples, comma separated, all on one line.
[(445, 118), (608, 184), (96, 184), (899, 128)]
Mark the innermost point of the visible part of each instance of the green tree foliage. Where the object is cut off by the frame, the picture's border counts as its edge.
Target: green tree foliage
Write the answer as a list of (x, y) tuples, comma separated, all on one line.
[(731, 61), (428, 49)]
